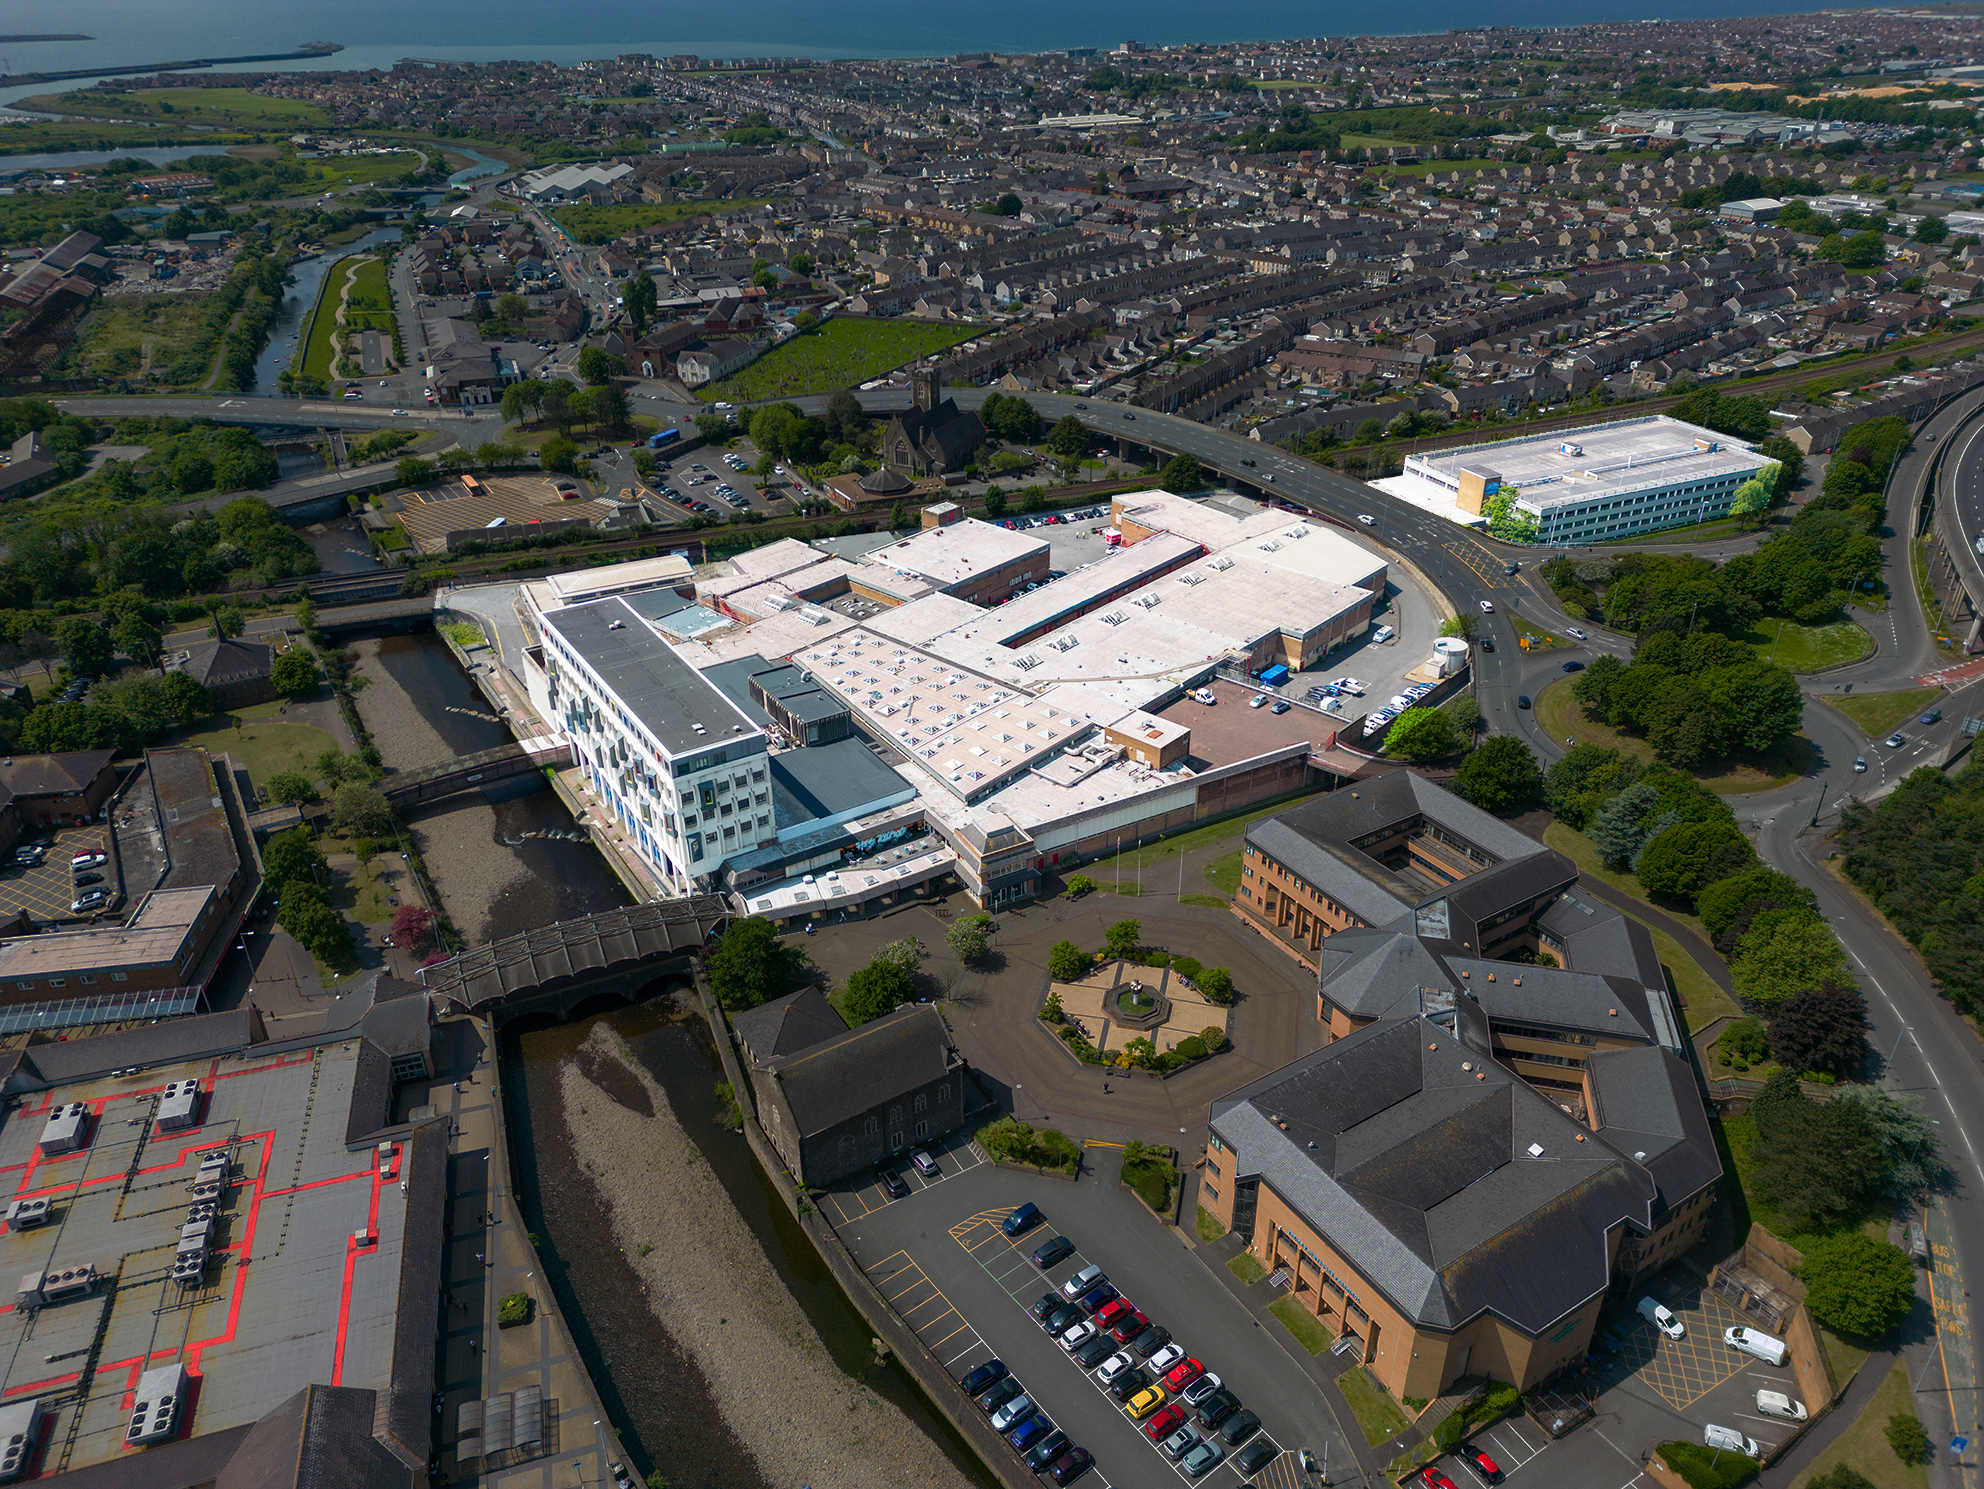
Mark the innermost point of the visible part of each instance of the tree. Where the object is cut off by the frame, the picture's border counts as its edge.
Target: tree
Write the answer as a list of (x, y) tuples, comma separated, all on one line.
[(1907, 1437), (1501, 776), (1422, 734), (599, 367), (610, 409), (1069, 437), (556, 403), (995, 502), (641, 299), (1617, 831), (1067, 962), (336, 767), (1008, 205), (1079, 885), (309, 916), (1909, 1144), (1857, 1286), (413, 927), (906, 953), (750, 965), (877, 989), (1818, 1162), (1465, 713), (1931, 229), (1720, 903), (558, 454), (1784, 953), (295, 672), (1689, 855), (968, 937), (1181, 474), (1122, 938), (360, 811), (85, 646), (139, 640), (290, 786), (522, 399), (1823, 1029), (512, 309), (1216, 983), (1463, 626), (290, 856), (411, 470)]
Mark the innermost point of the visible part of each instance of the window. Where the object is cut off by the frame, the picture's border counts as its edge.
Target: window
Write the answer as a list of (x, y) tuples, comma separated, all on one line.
[(895, 1115), (114, 977), (870, 1127), (1211, 1193), (58, 982), (944, 1092), (922, 1129), (922, 1102), (26, 987)]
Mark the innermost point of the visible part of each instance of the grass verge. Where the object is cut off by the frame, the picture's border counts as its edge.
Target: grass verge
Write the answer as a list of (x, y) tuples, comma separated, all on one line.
[(1863, 1446), (1877, 714), (260, 741), (1379, 1417), (1304, 1325), (1247, 1268), (1562, 717), (1208, 901), (1208, 1226), (320, 349), (843, 353), (1799, 648), (1223, 873)]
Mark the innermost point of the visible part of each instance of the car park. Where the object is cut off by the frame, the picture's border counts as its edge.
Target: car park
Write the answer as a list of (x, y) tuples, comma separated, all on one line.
[(1044, 1452), (1070, 1466), (1180, 1442), (1014, 1412), (984, 1377), (1202, 1459), (1146, 1401), (1052, 1253)]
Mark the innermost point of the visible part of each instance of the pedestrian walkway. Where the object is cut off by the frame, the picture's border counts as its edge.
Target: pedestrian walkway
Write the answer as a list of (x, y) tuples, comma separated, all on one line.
[(489, 1256)]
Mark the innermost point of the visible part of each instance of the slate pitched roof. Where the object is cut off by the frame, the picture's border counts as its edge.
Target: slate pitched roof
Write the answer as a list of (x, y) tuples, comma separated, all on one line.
[(837, 1078), (216, 663), (787, 1025)]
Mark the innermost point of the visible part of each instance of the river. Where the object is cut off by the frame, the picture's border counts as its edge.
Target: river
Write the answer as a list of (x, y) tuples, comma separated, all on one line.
[(307, 278), (647, 1380)]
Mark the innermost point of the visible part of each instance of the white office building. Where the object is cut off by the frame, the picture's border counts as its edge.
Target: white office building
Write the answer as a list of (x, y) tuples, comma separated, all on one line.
[(1593, 485), (672, 757)]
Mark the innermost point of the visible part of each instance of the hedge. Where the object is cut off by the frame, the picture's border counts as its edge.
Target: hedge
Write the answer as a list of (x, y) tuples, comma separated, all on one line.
[(1708, 1468)]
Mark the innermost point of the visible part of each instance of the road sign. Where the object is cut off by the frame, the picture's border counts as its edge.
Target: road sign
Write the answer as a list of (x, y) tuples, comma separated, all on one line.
[(1958, 1444)]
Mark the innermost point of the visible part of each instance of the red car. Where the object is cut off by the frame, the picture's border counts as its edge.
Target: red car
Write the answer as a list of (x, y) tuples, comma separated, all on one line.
[(1182, 1375), (1487, 1467), (1165, 1423), (1112, 1313), (1128, 1326), (1432, 1478)]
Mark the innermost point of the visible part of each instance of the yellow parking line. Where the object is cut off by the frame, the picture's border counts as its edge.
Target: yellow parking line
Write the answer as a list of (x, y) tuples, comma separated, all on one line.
[(921, 1281), (962, 1326)]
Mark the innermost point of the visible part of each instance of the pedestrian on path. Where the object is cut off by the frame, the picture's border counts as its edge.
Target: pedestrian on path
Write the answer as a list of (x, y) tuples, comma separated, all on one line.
[(478, 1259)]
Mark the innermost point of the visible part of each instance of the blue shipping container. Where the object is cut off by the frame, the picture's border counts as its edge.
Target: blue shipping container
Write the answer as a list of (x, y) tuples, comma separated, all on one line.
[(1275, 676)]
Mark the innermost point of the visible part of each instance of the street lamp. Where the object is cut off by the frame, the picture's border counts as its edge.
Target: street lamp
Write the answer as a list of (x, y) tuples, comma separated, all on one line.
[(1896, 1046)]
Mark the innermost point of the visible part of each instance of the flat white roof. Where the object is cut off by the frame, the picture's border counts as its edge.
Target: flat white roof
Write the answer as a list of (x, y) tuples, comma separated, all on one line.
[(951, 555), (610, 579), (1579, 465)]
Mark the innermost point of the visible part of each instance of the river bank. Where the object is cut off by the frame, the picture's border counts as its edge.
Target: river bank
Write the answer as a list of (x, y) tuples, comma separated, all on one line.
[(705, 1281)]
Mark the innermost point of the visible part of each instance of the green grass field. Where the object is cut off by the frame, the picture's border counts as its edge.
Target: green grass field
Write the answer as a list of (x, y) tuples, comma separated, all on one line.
[(320, 350), (841, 354), (260, 741), (1740, 773), (370, 304), (1309, 1331), (1376, 142), (1877, 714), (235, 106), (1798, 648), (121, 329), (585, 223), (1378, 1416), (1864, 1445), (362, 170), (34, 136)]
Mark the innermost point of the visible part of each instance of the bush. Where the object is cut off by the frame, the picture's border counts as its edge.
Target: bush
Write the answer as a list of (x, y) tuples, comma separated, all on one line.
[(1186, 967), (1067, 962), (1217, 984), (1856, 1285), (1906, 1437), (1150, 1175), (1704, 1468), (1079, 885), (1192, 1047), (513, 1310), (1214, 1037), (1013, 1141)]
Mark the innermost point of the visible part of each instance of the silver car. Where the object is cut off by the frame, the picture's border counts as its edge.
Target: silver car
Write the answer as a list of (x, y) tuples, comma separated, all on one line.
[(1014, 1412)]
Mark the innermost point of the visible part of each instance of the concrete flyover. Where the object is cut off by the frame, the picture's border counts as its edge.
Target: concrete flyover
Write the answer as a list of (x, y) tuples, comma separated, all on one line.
[(470, 772), (616, 953), (1956, 519)]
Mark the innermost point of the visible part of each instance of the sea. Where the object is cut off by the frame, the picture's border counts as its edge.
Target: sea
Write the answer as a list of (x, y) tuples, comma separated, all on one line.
[(379, 33)]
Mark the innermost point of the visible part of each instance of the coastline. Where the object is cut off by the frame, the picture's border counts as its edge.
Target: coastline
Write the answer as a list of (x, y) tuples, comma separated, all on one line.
[(799, 1417)]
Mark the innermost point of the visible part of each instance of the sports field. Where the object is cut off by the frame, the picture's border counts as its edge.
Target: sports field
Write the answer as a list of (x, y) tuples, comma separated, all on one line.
[(844, 353)]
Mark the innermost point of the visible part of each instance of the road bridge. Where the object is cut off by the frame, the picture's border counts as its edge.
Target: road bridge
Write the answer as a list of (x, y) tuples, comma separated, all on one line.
[(411, 614), (471, 772), (618, 953)]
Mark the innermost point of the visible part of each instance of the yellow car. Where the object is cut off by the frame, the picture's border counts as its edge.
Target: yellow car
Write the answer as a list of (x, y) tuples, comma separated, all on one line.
[(1145, 1402)]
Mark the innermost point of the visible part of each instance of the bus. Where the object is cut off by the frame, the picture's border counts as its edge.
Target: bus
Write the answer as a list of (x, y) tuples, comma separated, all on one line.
[(666, 437)]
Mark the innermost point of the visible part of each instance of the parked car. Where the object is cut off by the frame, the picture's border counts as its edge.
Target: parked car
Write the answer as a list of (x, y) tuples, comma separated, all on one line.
[(893, 1183), (925, 1164), (88, 900), (1052, 1253), (1661, 1319), (1183, 1374), (999, 1395), (1162, 1360), (1201, 1388), (1281, 705), (1216, 1407), (1045, 1304), (1070, 1466), (1777, 1404), (1062, 1319), (1079, 1284), (1014, 1412), (1129, 1326), (1097, 1298), (1202, 1459), (1044, 1452), (1153, 1342), (1237, 1427), (1094, 1352), (82, 879), (1128, 1384), (88, 860), (1022, 1220), (1146, 1401), (1029, 1432), (1432, 1478), (1259, 700), (984, 1377), (1112, 1313), (1077, 1334), (1180, 1442), (1482, 1464), (1118, 1364), (1164, 1423), (1257, 1456)]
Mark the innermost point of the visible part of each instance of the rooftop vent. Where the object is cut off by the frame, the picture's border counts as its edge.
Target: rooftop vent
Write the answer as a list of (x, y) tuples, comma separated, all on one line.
[(1536, 1150)]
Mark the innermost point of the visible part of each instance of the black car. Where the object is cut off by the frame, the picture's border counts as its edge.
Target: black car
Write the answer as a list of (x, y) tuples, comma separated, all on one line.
[(1070, 1466), (1240, 1426), (1052, 1253), (893, 1183), (1217, 1407), (990, 1401), (1044, 1452), (1246, 462), (82, 879), (1092, 1353), (984, 1377), (1522, 700), (1062, 1319), (1258, 1457), (1044, 1305), (1487, 643), (1155, 1340), (1126, 1385)]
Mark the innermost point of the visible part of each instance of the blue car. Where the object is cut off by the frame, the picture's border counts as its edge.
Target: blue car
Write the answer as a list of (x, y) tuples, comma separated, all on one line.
[(1574, 666), (1096, 1300), (1029, 1432)]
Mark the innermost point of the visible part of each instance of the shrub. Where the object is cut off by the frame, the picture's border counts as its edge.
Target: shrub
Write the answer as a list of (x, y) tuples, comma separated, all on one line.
[(1744, 1044), (1214, 1037), (1079, 885), (1067, 962), (1192, 1047), (1906, 1437), (1013, 1141), (1217, 984), (1857, 1285), (1187, 967), (513, 1310), (1705, 1468)]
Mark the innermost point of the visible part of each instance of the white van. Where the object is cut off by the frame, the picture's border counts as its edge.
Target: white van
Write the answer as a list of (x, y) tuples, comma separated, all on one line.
[(1661, 1319), (1755, 1342), (1730, 1441), (1777, 1404), (1382, 635)]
